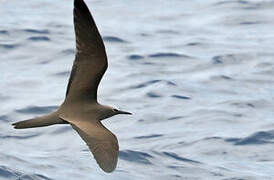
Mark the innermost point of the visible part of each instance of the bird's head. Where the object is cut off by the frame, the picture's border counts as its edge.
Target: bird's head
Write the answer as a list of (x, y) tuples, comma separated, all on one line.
[(109, 111)]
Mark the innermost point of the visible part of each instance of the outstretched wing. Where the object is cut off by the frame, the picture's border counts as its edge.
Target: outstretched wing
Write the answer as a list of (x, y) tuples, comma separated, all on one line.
[(90, 61), (101, 142)]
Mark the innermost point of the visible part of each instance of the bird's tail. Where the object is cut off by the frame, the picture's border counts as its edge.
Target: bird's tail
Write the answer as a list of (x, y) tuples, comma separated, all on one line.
[(41, 121)]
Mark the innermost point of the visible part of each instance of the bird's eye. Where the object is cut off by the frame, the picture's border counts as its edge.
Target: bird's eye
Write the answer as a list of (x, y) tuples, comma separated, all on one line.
[(115, 110)]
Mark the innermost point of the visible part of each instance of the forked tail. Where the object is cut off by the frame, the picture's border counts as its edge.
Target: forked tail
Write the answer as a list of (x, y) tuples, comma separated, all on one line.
[(41, 121)]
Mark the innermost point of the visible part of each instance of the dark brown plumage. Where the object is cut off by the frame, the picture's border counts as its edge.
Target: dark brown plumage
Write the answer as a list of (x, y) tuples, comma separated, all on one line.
[(80, 108)]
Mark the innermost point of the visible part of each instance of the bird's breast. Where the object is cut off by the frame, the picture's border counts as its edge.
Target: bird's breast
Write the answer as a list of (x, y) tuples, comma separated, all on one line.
[(79, 111)]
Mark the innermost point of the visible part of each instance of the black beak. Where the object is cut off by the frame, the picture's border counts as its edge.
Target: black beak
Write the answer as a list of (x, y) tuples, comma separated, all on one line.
[(124, 112)]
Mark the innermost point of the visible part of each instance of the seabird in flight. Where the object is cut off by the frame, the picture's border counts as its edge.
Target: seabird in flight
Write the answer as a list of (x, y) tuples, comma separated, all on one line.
[(80, 108)]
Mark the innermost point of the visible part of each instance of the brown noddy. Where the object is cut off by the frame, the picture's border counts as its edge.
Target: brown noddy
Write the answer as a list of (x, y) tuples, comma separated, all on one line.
[(80, 108)]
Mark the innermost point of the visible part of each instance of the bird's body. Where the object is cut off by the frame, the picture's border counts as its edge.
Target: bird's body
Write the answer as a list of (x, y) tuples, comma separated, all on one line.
[(80, 108)]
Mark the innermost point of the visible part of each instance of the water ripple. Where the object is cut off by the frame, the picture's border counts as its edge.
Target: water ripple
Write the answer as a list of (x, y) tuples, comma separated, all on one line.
[(113, 39), (177, 157), (37, 109), (19, 137), (135, 156), (39, 38), (148, 83), (258, 138), (33, 177), (229, 58), (64, 73), (194, 44), (221, 77), (36, 31), (232, 2), (68, 51), (153, 95), (6, 172), (167, 55), (149, 136), (180, 97), (4, 32), (62, 130), (4, 118), (9, 46), (251, 22), (175, 118), (145, 84), (135, 57)]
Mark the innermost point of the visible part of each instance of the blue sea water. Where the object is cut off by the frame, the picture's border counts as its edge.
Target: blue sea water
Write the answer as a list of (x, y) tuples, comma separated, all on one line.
[(198, 76)]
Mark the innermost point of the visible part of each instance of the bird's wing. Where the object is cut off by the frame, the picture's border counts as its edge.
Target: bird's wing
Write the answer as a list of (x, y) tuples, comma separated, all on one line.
[(101, 142), (90, 61)]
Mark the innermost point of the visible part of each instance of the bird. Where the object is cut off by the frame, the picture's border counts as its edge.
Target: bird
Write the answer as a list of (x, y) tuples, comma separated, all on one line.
[(81, 108)]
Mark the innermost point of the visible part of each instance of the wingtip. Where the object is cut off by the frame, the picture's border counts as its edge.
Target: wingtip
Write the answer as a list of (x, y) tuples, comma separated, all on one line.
[(108, 169), (76, 2), (79, 4), (81, 9)]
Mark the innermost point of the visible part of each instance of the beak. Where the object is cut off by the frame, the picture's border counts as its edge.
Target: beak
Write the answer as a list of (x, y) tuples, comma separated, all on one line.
[(124, 112)]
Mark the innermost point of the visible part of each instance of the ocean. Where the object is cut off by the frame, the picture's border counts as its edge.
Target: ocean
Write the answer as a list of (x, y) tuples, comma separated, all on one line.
[(196, 74)]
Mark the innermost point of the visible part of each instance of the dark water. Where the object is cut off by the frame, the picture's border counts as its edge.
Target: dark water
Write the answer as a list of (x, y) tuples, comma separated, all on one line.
[(198, 76)]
